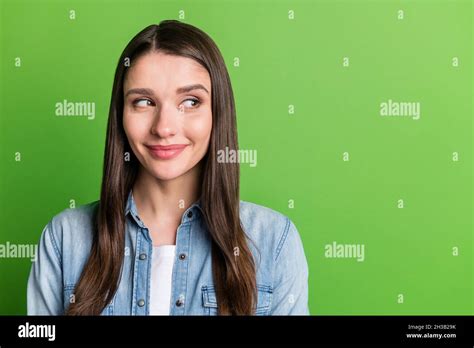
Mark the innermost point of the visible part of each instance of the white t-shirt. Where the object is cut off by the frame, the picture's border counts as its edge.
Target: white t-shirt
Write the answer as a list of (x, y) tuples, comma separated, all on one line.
[(161, 276)]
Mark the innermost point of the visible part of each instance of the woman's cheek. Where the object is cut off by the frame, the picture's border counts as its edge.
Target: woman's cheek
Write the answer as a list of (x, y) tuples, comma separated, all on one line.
[(126, 127), (135, 129), (199, 129), (132, 137)]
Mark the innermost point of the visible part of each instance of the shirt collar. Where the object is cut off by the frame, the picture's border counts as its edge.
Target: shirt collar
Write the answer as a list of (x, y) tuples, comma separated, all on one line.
[(190, 214)]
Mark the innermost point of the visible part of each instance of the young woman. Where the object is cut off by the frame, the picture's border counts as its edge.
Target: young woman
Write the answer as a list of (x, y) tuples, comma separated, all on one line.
[(170, 235)]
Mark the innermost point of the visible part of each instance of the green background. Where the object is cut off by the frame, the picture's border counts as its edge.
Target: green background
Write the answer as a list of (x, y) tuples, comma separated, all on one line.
[(300, 156)]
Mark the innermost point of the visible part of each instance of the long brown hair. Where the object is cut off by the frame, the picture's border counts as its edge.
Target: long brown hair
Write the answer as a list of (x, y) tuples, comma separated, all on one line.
[(234, 276)]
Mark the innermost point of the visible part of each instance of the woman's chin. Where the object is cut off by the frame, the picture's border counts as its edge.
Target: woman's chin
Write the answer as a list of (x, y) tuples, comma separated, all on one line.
[(170, 174)]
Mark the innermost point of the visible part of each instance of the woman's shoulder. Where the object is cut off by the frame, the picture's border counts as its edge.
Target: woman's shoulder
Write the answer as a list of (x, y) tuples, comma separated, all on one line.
[(267, 228), (82, 214), (73, 225), (257, 213)]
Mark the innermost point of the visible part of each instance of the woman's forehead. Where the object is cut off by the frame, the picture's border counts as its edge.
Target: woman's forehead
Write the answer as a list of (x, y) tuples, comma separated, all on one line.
[(157, 69)]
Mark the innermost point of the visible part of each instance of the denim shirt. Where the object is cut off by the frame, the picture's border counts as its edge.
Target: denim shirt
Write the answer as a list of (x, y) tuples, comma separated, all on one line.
[(65, 243)]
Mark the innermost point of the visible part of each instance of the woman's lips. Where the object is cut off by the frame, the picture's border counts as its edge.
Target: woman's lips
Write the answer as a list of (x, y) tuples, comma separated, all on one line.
[(165, 152)]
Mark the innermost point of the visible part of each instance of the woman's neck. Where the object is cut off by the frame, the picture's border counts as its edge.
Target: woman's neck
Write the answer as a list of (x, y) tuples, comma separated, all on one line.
[(166, 199)]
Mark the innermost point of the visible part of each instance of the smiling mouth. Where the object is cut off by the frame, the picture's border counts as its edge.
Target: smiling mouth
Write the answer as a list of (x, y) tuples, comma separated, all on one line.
[(165, 152)]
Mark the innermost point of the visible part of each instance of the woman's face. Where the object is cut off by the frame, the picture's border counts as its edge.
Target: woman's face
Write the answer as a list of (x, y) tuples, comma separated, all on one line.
[(167, 101)]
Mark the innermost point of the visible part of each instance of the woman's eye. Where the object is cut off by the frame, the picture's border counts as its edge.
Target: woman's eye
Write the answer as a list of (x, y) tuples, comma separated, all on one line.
[(191, 103), (142, 102)]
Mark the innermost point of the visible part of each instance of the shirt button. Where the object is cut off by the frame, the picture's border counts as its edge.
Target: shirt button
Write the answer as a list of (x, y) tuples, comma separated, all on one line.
[(182, 256), (142, 256), (179, 303), (190, 214), (141, 303)]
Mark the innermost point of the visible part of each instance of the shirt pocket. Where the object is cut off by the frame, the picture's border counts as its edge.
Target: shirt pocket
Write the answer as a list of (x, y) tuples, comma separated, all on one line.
[(264, 299), (69, 298)]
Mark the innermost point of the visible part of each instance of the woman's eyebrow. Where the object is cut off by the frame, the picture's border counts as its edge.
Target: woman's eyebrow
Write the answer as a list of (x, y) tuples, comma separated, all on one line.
[(189, 88), (180, 90), (145, 91)]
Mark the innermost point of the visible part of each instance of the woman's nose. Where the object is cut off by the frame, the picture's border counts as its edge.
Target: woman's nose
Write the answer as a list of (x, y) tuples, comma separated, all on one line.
[(166, 121)]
